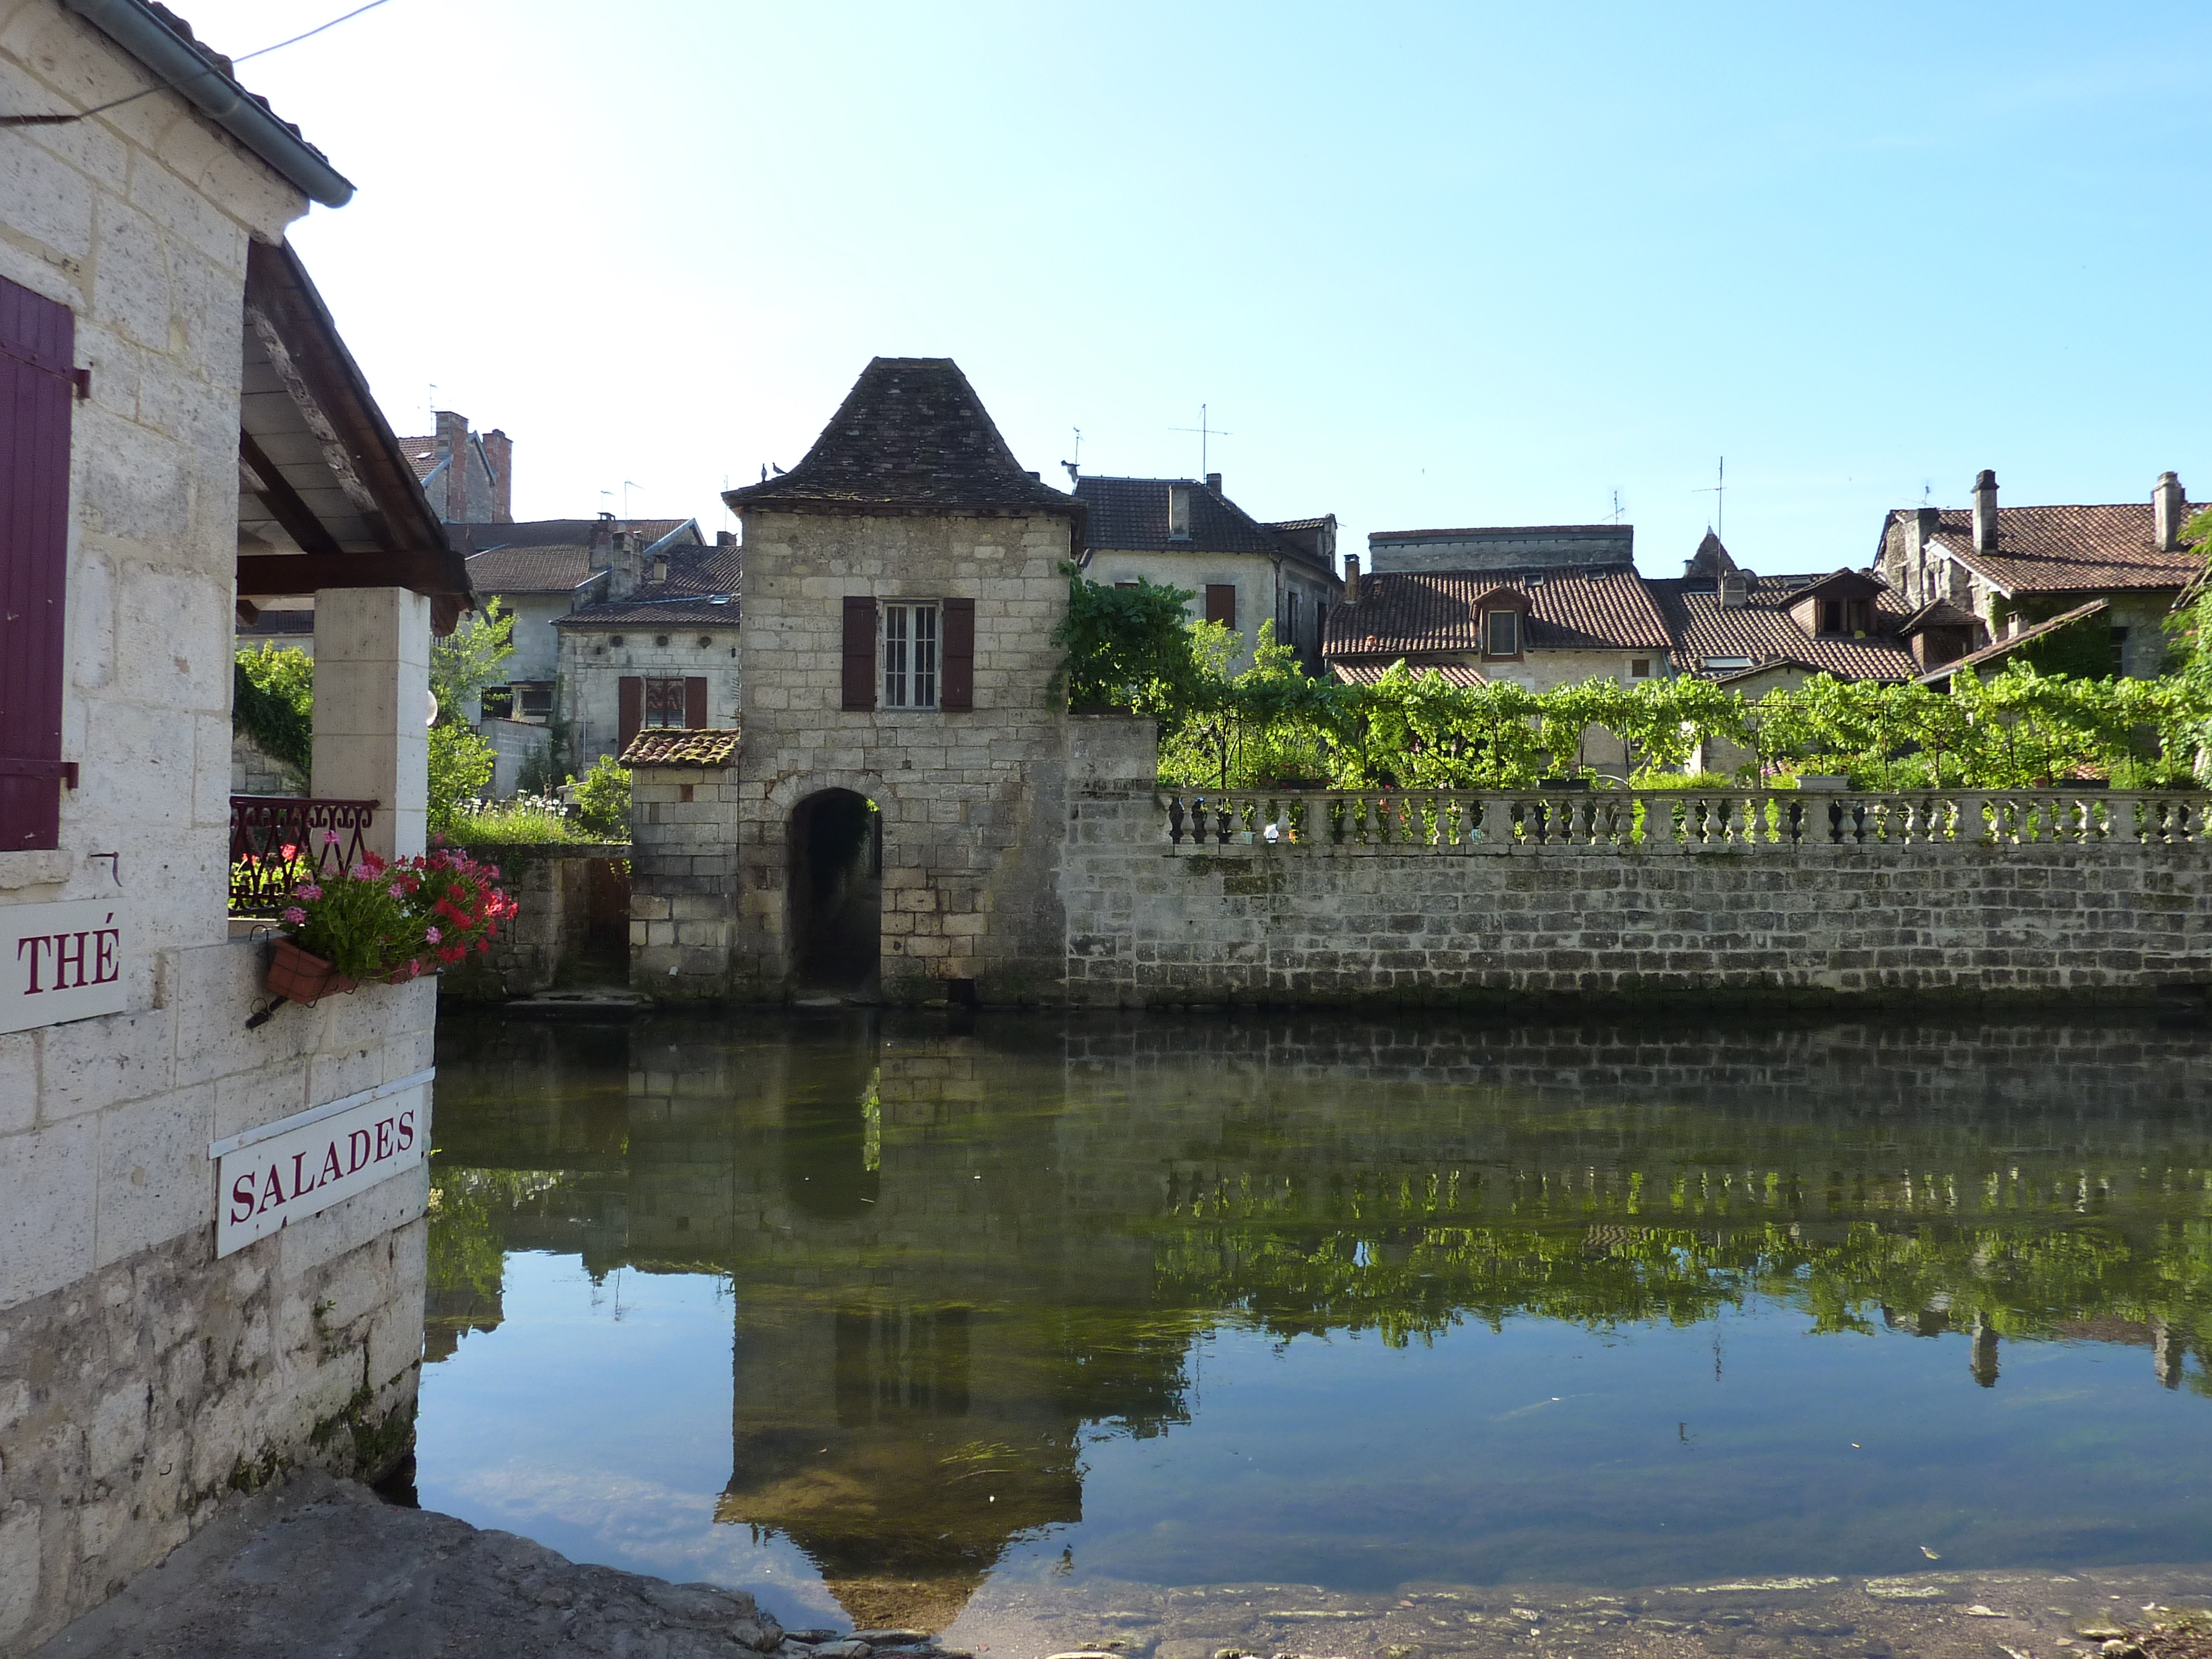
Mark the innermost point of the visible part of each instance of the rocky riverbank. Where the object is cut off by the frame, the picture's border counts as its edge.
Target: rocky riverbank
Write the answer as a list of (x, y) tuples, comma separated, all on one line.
[(320, 1567)]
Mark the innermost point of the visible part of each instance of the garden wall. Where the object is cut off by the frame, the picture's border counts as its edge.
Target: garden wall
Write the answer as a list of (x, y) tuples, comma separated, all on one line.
[(1461, 898), (574, 906)]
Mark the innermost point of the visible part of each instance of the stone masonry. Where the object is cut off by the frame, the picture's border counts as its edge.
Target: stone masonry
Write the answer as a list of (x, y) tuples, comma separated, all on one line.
[(684, 810)]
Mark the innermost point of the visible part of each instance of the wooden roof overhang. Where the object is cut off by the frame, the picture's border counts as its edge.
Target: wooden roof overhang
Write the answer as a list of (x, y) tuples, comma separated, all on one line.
[(326, 497)]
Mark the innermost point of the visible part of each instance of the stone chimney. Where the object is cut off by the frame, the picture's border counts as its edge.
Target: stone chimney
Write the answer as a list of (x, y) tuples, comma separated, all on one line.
[(602, 545), (451, 499), (2169, 509), (1735, 590), (1985, 511), (1213, 481), (499, 450), (726, 539), (625, 564), (1352, 579)]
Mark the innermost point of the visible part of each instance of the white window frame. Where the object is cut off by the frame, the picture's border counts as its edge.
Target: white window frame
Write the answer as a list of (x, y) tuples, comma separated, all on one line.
[(910, 653), (1490, 620)]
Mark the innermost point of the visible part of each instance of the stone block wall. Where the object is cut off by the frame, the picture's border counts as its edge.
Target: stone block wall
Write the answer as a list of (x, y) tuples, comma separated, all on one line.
[(553, 886), (971, 802), (684, 874), (140, 1379)]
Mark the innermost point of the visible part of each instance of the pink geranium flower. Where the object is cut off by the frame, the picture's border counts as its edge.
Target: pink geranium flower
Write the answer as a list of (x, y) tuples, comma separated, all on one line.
[(310, 892), (431, 936), (295, 915)]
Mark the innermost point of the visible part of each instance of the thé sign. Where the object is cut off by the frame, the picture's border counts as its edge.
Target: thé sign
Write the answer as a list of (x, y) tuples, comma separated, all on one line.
[(63, 960)]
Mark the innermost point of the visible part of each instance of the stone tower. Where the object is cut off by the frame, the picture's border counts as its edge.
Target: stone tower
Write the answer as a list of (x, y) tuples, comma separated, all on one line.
[(902, 774)]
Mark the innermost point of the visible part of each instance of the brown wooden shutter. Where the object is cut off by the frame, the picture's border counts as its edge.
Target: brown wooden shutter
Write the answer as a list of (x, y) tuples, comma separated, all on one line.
[(38, 348), (859, 653), (695, 702), (629, 702), (1221, 603), (956, 688)]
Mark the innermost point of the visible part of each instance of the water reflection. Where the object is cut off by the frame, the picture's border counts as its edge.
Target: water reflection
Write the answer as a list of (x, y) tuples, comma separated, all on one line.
[(962, 1264)]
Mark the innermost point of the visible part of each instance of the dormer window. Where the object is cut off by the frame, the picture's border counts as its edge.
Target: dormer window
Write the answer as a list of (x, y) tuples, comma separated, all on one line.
[(1501, 634), (1178, 513), (1847, 616)]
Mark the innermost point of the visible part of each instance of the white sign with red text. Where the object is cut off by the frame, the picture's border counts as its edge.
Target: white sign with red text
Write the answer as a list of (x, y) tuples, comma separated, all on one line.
[(296, 1166), (64, 961)]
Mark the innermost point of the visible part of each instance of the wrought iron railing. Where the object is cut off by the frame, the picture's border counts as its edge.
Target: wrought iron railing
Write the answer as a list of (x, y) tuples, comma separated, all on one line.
[(278, 841), (1444, 819)]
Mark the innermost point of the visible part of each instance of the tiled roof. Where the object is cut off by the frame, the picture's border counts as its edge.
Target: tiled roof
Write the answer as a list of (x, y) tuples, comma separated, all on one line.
[(667, 746), (701, 586), (1321, 523), (911, 435), (531, 569), (563, 532), (1938, 613), (1130, 515), (1366, 671), (422, 454), (2003, 648), (2066, 550), (1763, 631), (1435, 611)]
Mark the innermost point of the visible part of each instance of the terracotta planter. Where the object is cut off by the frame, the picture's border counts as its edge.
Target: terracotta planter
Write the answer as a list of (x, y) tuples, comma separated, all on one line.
[(297, 976)]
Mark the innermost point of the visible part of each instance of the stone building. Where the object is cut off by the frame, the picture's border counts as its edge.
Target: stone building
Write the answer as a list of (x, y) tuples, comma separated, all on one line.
[(1504, 547), (2008, 568), (1755, 633), (660, 652), (901, 737), (469, 477), (1181, 533), (188, 439)]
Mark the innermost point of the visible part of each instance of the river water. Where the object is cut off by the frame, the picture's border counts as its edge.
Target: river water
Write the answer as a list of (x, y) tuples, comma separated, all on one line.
[(863, 1311)]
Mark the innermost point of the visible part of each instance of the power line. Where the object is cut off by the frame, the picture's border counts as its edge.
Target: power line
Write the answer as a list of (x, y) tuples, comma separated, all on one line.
[(171, 86)]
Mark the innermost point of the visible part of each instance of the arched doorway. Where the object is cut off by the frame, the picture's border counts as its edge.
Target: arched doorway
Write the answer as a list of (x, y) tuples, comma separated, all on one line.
[(836, 892)]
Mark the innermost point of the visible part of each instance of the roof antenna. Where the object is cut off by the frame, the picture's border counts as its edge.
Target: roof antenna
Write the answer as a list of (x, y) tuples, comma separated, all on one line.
[(628, 485), (1718, 491), (1205, 433), (1075, 467), (1616, 503)]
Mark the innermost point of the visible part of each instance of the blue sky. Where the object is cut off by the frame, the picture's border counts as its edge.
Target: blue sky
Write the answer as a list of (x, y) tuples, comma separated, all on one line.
[(1428, 265)]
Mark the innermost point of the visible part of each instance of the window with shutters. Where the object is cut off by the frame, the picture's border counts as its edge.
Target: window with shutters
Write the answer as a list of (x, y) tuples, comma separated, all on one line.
[(38, 345), (910, 637)]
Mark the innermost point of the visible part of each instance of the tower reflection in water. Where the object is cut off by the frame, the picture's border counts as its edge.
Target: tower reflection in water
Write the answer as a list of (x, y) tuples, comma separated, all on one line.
[(957, 1259)]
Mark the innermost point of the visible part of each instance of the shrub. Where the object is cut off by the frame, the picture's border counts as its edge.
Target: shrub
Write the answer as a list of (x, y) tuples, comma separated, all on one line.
[(273, 702), (461, 765), (601, 799)]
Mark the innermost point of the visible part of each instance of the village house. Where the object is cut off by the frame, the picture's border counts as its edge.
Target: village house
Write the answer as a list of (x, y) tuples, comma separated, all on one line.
[(469, 477), (188, 440), (1180, 532), (659, 651), (2009, 569)]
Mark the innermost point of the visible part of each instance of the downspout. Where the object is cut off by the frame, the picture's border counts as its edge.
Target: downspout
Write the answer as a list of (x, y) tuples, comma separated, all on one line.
[(183, 71)]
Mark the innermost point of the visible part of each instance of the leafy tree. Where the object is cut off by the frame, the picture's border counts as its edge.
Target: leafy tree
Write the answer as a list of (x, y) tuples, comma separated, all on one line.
[(273, 702), (460, 770), (468, 659), (601, 799), (1129, 647)]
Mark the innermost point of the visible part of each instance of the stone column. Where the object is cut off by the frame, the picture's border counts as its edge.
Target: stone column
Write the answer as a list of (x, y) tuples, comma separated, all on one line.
[(373, 708)]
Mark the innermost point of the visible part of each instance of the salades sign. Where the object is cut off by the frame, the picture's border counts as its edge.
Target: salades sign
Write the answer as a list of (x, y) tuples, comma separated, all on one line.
[(293, 1167), (62, 961)]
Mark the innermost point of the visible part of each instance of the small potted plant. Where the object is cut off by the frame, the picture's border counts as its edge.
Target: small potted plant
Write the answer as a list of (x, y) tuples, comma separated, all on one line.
[(389, 921)]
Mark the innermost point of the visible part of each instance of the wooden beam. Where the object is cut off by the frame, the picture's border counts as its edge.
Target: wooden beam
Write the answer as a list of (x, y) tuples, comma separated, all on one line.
[(273, 574), (283, 502)]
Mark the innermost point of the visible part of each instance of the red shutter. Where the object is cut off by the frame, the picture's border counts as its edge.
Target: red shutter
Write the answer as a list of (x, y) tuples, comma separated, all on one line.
[(1221, 604), (695, 702), (859, 653), (38, 347), (629, 703), (956, 690)]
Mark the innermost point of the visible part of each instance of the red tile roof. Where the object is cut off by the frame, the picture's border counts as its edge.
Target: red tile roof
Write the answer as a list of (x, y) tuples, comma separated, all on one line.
[(531, 569), (672, 747), (1365, 671), (2002, 648), (1404, 613), (2067, 549), (1763, 631), (422, 454)]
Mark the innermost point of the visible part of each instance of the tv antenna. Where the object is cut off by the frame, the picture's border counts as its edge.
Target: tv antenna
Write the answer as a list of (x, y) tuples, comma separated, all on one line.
[(1206, 432), (1075, 467), (1718, 491), (1616, 503), (628, 485)]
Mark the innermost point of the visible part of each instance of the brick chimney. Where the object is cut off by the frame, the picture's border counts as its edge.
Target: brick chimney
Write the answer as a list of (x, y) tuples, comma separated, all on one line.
[(2169, 510), (1985, 511), (499, 450), (726, 539), (451, 499), (1352, 579)]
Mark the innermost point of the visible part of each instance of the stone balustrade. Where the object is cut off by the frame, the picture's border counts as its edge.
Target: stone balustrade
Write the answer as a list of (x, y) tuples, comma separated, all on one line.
[(1450, 820)]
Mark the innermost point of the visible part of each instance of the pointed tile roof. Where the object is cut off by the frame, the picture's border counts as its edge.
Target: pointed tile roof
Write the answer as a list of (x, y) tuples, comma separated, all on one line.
[(911, 436)]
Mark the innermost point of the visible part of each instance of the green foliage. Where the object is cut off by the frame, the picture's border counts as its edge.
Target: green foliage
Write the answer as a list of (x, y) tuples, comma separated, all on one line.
[(273, 702), (467, 660), (1129, 647), (544, 769), (460, 770), (525, 821), (601, 799)]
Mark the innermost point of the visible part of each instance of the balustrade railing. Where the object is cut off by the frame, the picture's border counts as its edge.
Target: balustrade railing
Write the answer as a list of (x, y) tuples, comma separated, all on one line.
[(278, 841), (1439, 819)]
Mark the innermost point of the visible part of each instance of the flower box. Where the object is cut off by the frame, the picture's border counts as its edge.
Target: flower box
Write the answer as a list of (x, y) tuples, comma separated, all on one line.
[(298, 976)]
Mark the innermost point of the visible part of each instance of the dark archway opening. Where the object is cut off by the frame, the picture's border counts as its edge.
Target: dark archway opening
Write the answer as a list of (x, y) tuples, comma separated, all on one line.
[(836, 892)]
